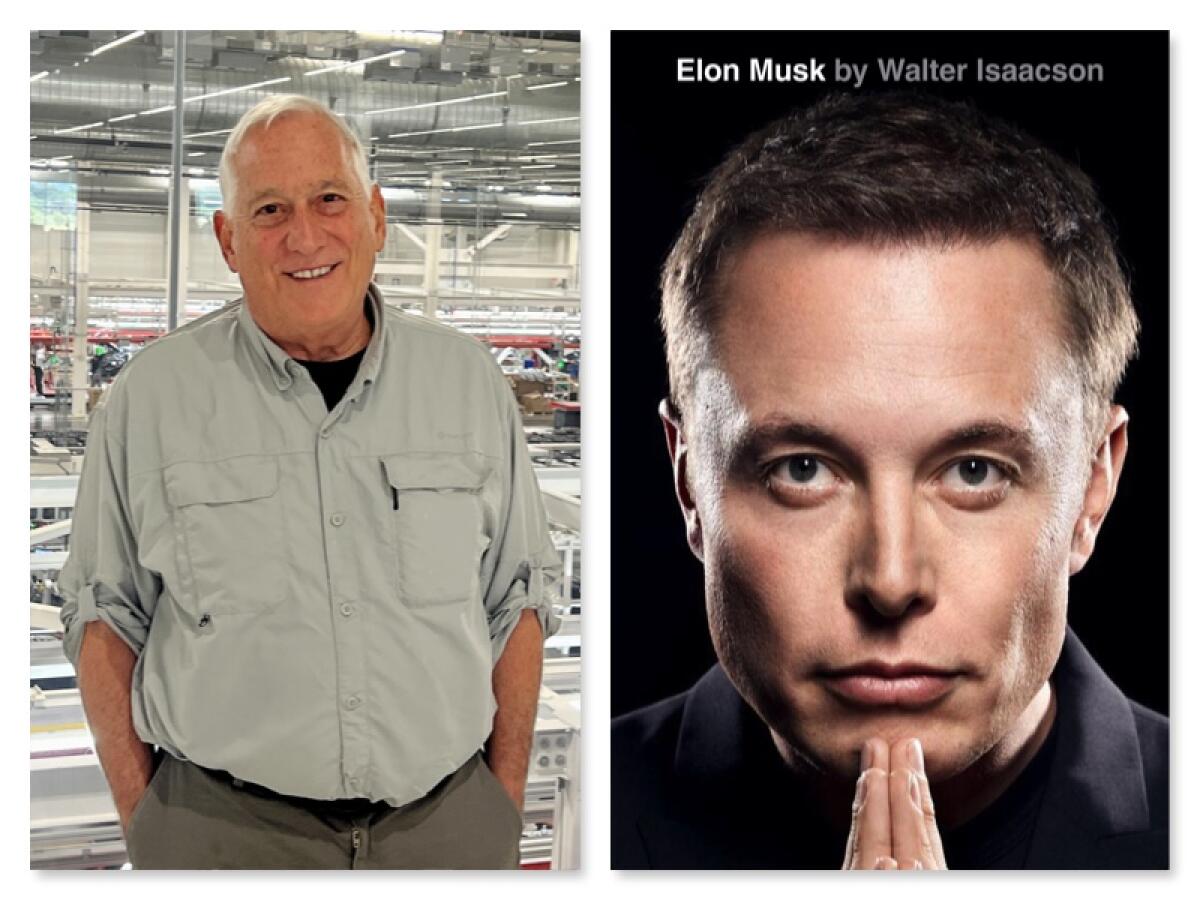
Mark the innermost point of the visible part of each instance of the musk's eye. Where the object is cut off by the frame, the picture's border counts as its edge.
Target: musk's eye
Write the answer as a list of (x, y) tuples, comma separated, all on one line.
[(975, 473), (267, 210), (802, 479)]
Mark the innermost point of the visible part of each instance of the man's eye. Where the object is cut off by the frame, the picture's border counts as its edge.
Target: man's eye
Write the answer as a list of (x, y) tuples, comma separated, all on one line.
[(267, 209), (975, 474), (331, 198), (800, 473)]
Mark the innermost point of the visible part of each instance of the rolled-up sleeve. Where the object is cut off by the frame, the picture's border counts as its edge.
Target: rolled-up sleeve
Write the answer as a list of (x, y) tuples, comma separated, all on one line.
[(102, 580), (527, 569)]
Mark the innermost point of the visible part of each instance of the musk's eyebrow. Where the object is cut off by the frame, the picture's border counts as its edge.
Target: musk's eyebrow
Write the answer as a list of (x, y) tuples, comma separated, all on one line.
[(994, 433), (755, 441)]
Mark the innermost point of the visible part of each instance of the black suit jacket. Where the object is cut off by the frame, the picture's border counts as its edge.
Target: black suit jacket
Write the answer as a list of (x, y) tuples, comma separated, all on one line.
[(696, 783)]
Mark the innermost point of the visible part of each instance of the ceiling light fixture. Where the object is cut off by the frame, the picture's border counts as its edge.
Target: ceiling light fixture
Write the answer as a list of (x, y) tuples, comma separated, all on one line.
[(392, 109), (542, 87), (539, 166), (549, 121), (123, 118), (446, 130), (235, 90), (360, 62), (551, 143), (208, 133), (133, 35), (39, 75), (79, 127)]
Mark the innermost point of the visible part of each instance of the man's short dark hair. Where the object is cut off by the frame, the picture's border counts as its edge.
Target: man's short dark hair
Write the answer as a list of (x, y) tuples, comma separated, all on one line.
[(903, 168)]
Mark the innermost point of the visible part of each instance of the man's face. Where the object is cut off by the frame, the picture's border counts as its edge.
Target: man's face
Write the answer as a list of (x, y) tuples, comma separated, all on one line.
[(888, 466), (303, 235)]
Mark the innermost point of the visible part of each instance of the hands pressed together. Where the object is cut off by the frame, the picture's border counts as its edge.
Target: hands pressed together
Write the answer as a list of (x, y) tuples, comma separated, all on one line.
[(893, 824)]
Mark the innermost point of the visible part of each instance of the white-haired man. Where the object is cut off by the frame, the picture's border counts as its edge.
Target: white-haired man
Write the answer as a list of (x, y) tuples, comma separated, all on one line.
[(309, 553)]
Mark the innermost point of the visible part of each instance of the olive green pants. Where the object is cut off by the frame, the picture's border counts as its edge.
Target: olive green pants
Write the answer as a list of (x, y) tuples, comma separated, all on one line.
[(193, 818)]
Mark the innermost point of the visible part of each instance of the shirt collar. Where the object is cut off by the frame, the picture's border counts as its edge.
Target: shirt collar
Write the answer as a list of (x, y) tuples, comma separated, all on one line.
[(280, 364)]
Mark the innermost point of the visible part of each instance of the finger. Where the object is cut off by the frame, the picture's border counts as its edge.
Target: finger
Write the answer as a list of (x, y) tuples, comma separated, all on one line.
[(910, 834), (911, 864), (930, 816), (885, 862), (870, 826)]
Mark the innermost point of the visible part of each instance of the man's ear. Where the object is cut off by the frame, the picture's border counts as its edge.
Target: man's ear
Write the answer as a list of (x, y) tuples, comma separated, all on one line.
[(1101, 487), (223, 229), (378, 217), (677, 448)]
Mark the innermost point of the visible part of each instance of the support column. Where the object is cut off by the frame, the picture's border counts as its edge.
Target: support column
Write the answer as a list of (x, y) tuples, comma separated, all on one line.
[(80, 359), (433, 244), (177, 201)]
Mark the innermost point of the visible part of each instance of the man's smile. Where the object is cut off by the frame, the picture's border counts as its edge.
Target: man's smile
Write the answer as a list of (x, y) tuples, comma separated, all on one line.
[(310, 274)]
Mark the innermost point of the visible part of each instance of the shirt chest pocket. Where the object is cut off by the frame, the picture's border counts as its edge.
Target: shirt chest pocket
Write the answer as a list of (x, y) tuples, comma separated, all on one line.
[(229, 530), (437, 526)]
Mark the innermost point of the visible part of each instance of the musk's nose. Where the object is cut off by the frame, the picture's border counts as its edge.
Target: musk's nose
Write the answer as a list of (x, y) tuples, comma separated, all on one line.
[(889, 575)]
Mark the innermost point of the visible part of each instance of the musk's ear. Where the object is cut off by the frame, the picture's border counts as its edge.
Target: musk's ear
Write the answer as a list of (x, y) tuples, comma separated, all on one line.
[(1107, 462), (677, 448)]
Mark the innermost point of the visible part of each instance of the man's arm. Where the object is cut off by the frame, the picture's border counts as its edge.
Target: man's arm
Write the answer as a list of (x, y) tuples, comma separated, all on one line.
[(105, 671), (516, 678)]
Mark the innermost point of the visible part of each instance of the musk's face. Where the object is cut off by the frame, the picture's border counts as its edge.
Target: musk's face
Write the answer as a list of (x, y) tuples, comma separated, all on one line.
[(888, 463)]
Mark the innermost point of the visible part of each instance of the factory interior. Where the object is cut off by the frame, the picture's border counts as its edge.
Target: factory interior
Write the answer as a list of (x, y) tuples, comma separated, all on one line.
[(474, 139)]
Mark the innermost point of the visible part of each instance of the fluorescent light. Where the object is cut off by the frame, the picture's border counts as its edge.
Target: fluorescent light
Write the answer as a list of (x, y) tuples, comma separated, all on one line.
[(159, 171), (123, 118), (434, 150), (539, 166), (133, 35), (208, 133), (197, 153), (39, 75), (234, 90), (360, 62), (548, 121), (542, 187), (195, 171), (160, 109), (551, 143), (530, 50), (79, 127), (446, 130), (391, 109), (542, 87), (521, 215)]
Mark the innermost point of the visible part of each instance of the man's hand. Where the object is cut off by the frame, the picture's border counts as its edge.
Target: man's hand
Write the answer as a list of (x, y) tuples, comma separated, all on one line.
[(892, 820), (516, 678)]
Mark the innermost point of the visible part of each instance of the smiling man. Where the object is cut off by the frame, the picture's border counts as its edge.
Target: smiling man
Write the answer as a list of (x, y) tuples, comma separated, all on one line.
[(309, 558), (894, 329)]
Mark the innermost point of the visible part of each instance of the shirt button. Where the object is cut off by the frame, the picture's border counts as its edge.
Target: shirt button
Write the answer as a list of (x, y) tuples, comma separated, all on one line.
[(347, 609), (324, 434), (352, 702), (336, 519)]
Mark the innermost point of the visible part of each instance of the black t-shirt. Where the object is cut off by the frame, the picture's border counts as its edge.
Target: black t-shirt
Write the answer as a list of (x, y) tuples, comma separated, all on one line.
[(775, 829), (998, 838), (333, 377)]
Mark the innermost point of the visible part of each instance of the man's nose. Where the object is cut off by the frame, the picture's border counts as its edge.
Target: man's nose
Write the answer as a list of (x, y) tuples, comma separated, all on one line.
[(889, 572), (305, 235)]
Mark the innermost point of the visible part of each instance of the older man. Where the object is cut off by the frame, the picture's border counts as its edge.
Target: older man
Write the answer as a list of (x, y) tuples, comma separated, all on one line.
[(309, 556), (894, 330)]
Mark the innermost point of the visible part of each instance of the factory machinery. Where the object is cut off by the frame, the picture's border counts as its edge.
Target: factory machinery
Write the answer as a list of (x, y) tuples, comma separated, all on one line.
[(73, 821)]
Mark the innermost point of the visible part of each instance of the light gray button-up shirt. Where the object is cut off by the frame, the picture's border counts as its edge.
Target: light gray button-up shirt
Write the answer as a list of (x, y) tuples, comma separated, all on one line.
[(316, 597)]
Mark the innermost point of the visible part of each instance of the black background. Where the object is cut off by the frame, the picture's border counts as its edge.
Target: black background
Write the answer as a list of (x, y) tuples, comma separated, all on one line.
[(666, 136)]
